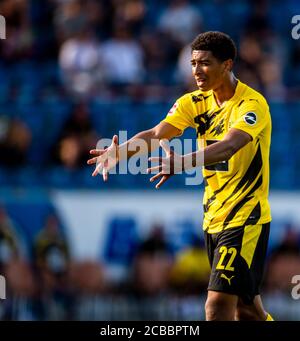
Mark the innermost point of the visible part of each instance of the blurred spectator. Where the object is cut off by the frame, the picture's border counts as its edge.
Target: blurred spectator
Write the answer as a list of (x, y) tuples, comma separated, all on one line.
[(14, 144), (80, 63), (72, 15), (51, 254), (88, 278), (69, 18), (122, 57), (52, 262), (76, 138), (250, 55), (184, 70), (284, 263), (181, 20), (191, 270), (131, 13), (12, 244), (259, 29), (258, 21), (14, 265), (20, 279), (161, 53), (152, 265), (19, 40), (293, 74), (290, 243), (22, 299), (271, 77)]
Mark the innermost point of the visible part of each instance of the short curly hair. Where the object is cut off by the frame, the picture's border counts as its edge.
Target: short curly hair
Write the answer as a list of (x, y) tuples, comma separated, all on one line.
[(220, 44)]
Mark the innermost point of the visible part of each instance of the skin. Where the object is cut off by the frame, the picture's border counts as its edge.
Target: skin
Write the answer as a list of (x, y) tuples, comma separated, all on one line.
[(210, 74)]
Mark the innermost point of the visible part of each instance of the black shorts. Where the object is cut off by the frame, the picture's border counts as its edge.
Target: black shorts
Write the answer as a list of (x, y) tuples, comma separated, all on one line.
[(237, 257)]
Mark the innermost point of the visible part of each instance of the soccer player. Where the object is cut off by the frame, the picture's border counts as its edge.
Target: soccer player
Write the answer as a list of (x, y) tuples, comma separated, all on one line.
[(234, 122)]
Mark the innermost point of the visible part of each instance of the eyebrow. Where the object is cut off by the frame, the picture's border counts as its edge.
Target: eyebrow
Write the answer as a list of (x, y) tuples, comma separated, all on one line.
[(199, 60)]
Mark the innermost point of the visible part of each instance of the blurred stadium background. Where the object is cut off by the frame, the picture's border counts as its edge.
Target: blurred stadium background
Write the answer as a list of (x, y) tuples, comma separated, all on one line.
[(74, 248)]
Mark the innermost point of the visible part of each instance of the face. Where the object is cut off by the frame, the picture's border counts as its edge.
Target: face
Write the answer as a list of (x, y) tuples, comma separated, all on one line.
[(208, 71)]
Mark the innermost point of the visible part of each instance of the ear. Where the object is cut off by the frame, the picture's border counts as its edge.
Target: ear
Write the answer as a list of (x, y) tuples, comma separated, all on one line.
[(228, 65)]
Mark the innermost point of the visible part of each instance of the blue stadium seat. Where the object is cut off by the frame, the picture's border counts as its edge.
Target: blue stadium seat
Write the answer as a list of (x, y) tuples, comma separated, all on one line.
[(4, 177), (28, 177), (100, 116), (213, 19), (62, 178), (4, 91), (56, 111)]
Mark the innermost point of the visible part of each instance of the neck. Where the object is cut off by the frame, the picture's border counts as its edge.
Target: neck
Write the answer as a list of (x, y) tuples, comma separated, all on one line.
[(226, 89)]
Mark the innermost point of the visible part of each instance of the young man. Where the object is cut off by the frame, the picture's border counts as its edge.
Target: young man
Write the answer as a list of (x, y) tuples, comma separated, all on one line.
[(234, 122)]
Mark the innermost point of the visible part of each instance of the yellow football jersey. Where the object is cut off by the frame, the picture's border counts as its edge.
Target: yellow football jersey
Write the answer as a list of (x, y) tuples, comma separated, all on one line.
[(236, 191)]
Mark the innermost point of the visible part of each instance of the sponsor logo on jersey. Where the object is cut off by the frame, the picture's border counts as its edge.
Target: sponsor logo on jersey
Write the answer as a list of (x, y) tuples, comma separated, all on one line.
[(250, 118)]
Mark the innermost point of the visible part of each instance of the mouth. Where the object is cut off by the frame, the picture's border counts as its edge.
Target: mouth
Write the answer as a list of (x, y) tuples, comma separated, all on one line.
[(200, 81)]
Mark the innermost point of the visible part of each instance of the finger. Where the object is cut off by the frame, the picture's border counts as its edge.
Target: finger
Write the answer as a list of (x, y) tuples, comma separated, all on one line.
[(154, 169), (105, 174), (96, 151), (92, 161), (98, 169), (115, 139), (156, 176), (105, 171), (162, 180), (155, 159), (165, 146)]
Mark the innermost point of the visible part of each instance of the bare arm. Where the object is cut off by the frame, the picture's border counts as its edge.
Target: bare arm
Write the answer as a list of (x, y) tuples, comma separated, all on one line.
[(152, 136), (222, 150), (217, 152), (143, 142)]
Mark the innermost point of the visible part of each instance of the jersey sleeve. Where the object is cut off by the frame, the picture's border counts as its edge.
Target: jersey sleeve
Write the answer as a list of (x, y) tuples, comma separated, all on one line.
[(252, 118), (180, 115)]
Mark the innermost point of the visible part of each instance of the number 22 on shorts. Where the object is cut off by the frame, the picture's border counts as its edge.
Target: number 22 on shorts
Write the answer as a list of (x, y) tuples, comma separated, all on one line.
[(224, 250)]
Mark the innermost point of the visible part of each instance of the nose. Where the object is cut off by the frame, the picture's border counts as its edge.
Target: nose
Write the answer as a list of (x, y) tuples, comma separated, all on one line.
[(198, 70)]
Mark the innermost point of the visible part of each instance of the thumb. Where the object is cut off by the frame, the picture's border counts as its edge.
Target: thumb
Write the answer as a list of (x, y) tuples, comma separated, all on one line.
[(115, 140), (165, 146)]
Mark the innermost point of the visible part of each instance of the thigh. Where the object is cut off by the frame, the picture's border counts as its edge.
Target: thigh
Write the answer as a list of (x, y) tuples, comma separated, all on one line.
[(238, 261)]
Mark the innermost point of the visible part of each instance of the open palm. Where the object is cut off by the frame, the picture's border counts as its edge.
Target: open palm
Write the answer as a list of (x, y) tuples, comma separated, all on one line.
[(105, 159)]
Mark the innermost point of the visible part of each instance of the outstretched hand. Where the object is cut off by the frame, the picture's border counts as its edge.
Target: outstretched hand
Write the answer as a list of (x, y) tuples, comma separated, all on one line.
[(168, 166), (105, 159)]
